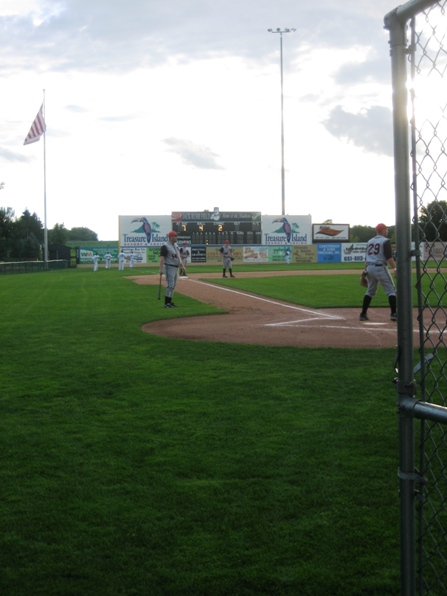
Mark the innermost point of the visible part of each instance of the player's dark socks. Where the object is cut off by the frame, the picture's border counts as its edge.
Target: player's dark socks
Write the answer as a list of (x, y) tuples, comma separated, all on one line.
[(366, 302), (393, 304)]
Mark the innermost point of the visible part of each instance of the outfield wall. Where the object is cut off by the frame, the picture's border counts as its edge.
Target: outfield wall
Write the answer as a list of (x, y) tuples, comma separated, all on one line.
[(299, 253), (314, 253)]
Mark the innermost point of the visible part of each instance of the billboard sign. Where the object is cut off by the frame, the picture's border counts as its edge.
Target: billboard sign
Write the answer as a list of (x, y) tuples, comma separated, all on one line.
[(351, 253), (329, 253), (143, 230), (290, 229), (330, 232)]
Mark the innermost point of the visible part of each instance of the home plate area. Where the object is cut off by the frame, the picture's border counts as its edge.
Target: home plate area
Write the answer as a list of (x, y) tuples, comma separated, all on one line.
[(252, 319)]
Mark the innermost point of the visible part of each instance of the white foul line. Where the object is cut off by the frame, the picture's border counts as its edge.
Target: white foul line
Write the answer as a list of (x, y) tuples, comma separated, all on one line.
[(311, 312), (294, 323)]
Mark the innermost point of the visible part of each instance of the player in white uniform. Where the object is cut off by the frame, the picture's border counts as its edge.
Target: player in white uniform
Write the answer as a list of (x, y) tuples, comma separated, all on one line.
[(131, 259), (121, 258), (108, 259), (170, 261), (378, 256), (184, 254), (227, 258), (95, 259)]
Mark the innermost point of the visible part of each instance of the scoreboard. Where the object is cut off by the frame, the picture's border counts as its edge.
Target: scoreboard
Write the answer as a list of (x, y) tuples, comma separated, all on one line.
[(214, 227)]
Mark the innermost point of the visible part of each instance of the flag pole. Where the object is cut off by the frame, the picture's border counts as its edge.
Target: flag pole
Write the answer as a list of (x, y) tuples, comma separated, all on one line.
[(45, 255), (38, 128)]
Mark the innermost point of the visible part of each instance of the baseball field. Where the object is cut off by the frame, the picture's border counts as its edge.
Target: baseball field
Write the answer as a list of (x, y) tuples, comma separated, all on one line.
[(135, 464)]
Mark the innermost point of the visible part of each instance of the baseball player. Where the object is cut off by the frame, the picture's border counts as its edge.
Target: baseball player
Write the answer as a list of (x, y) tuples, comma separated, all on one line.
[(184, 254), (121, 259), (170, 260), (108, 259), (227, 258), (378, 257), (131, 259), (95, 259)]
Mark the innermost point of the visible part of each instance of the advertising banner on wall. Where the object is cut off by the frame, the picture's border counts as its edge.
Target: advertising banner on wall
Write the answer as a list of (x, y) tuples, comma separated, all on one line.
[(153, 255), (330, 232), (141, 232), (304, 254), (255, 254), (213, 254), (86, 254), (139, 254), (198, 254), (351, 253), (290, 229), (329, 253), (433, 251)]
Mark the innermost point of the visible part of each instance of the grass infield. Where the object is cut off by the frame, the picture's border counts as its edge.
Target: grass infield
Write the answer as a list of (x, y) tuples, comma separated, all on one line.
[(134, 464)]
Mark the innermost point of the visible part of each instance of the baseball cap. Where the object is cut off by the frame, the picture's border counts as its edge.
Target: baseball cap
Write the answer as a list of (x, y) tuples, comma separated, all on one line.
[(171, 234), (380, 227)]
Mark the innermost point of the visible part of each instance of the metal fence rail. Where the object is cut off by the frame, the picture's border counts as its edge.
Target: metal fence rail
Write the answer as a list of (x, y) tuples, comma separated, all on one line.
[(418, 40), (31, 266)]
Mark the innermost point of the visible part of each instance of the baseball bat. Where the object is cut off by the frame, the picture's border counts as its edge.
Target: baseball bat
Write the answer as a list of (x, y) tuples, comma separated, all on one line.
[(159, 287)]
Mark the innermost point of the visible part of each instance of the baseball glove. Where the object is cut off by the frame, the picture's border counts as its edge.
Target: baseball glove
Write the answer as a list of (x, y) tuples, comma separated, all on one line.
[(231, 258), (363, 281)]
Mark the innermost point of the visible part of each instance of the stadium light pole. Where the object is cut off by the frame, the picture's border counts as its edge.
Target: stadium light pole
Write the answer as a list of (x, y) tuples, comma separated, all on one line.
[(283, 185)]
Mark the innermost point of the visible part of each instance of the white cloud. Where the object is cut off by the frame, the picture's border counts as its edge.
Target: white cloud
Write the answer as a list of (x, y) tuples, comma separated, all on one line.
[(371, 129), (194, 155)]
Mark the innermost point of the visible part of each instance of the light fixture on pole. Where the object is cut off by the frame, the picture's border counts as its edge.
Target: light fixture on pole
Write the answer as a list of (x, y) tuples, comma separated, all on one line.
[(283, 190)]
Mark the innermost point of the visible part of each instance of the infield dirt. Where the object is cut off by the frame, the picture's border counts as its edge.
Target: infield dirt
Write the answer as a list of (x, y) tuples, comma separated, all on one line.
[(252, 319)]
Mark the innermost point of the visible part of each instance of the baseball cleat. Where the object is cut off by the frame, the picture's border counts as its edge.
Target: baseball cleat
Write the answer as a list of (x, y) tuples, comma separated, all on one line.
[(363, 318), (393, 317)]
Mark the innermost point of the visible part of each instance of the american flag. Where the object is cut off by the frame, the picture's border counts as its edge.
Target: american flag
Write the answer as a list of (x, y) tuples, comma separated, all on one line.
[(37, 129)]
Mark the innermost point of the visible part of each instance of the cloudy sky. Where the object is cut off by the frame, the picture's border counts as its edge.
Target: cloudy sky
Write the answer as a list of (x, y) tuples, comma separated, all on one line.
[(154, 106)]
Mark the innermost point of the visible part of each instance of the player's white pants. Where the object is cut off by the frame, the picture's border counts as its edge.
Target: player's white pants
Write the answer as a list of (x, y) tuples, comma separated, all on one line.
[(382, 275), (171, 274)]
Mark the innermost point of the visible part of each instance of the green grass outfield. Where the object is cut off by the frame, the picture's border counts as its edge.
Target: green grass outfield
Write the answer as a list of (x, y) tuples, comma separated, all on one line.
[(139, 465)]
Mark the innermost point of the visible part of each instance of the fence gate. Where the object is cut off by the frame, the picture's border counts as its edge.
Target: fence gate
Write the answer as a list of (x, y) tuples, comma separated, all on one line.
[(418, 45)]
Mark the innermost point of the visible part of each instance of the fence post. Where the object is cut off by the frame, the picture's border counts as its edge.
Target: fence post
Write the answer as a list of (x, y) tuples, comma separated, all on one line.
[(405, 380)]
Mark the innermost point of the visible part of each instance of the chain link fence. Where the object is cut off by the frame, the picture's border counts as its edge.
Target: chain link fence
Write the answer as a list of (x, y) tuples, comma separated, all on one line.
[(31, 266), (418, 40), (428, 58)]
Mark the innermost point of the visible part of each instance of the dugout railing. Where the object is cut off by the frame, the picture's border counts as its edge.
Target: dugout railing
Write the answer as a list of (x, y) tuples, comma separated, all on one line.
[(418, 49)]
